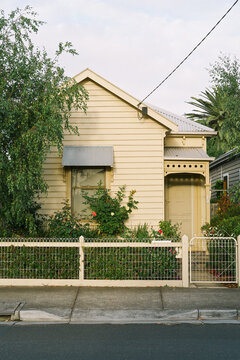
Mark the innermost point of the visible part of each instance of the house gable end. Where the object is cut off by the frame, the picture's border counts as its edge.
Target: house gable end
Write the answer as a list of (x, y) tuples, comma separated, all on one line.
[(88, 74)]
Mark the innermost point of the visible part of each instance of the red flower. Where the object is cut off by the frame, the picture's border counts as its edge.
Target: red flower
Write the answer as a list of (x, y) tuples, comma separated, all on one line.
[(160, 231), (94, 214)]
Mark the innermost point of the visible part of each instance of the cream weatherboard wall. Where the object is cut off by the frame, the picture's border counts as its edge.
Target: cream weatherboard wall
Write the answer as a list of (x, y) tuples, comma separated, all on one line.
[(185, 140), (138, 154)]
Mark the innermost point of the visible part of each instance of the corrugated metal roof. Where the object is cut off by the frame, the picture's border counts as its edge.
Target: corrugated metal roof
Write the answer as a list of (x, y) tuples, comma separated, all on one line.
[(87, 156), (184, 124), (229, 155), (188, 153)]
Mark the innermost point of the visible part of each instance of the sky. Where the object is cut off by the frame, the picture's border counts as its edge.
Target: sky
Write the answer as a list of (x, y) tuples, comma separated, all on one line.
[(135, 44)]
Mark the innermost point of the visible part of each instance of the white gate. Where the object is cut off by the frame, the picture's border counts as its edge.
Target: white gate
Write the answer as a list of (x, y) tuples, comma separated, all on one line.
[(213, 260)]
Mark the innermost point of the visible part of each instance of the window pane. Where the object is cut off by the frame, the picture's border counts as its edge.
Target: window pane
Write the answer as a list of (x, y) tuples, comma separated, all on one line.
[(82, 179), (78, 208), (87, 177)]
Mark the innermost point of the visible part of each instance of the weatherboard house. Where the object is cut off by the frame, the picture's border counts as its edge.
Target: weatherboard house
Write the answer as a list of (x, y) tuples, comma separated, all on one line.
[(160, 155)]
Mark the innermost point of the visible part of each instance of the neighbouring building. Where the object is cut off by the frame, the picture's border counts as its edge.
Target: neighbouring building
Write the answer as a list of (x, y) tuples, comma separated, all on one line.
[(226, 168)]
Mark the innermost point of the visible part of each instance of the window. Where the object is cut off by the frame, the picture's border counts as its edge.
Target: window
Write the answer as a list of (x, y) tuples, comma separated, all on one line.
[(225, 181), (84, 179)]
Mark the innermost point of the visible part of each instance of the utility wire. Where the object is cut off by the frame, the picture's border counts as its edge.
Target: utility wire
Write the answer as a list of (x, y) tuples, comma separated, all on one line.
[(168, 76)]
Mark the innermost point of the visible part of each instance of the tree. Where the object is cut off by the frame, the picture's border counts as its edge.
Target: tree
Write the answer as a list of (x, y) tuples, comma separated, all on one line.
[(219, 107), (36, 99)]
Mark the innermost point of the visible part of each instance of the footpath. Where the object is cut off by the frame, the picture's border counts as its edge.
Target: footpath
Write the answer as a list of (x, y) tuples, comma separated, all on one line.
[(92, 305)]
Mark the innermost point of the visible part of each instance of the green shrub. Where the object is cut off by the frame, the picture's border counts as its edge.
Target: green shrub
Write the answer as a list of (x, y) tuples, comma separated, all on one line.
[(39, 263), (233, 210), (167, 231), (222, 258), (224, 223), (138, 232), (136, 263), (234, 193), (108, 212), (64, 225), (229, 227), (132, 264)]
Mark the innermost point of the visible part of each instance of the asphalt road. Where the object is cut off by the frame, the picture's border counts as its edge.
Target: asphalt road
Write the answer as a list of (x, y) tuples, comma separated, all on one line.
[(45, 342)]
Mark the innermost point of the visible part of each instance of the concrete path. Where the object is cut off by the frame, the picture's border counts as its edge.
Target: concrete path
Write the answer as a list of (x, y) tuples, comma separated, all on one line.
[(119, 305)]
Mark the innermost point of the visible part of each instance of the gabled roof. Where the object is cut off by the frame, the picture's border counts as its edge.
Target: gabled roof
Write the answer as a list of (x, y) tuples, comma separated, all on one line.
[(184, 125), (87, 73), (175, 123)]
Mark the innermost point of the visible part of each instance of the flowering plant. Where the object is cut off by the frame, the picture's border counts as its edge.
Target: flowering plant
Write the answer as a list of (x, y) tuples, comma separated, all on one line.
[(108, 211), (210, 231), (224, 204), (167, 231)]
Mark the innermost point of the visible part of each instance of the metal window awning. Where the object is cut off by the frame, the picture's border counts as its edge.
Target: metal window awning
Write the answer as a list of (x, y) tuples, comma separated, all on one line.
[(87, 156)]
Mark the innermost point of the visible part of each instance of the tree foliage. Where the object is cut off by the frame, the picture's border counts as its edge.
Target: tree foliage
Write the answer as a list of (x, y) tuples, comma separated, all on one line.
[(219, 106), (36, 99)]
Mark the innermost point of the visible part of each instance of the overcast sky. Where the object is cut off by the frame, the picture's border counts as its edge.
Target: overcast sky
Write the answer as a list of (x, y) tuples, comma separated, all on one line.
[(135, 43)]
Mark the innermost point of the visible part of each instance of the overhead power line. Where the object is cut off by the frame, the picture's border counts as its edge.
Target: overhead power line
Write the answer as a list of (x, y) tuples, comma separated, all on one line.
[(200, 42)]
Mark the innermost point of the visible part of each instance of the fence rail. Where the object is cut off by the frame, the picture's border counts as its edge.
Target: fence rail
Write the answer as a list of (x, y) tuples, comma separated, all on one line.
[(93, 263), (118, 262)]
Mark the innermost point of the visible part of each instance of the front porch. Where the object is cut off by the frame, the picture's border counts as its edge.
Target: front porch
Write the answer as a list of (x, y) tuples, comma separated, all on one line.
[(187, 194)]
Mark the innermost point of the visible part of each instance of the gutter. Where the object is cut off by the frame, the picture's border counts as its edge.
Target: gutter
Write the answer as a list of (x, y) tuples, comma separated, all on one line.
[(189, 159), (208, 134)]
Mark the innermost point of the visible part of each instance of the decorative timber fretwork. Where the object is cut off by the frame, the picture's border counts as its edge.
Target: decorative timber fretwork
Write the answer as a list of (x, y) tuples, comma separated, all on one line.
[(189, 167)]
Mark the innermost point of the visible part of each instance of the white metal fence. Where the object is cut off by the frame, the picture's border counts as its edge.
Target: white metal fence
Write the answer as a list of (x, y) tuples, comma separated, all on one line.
[(86, 262), (213, 260), (115, 262)]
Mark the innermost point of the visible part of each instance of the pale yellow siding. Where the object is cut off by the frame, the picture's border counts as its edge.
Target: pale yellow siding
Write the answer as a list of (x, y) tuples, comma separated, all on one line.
[(186, 141), (138, 154)]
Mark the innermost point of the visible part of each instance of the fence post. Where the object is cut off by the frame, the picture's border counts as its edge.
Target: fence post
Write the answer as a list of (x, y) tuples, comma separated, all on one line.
[(238, 260), (81, 260), (185, 277)]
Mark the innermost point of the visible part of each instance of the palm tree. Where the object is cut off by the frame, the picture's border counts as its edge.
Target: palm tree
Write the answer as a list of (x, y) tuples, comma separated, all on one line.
[(211, 111)]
